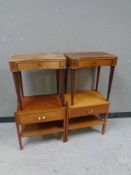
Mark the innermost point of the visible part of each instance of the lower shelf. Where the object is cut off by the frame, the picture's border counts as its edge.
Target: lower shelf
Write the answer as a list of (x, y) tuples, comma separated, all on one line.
[(57, 126), (42, 128), (83, 122)]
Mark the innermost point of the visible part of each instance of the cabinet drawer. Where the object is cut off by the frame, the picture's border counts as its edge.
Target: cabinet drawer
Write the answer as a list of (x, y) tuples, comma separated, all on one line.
[(38, 65), (41, 117), (95, 62), (84, 111)]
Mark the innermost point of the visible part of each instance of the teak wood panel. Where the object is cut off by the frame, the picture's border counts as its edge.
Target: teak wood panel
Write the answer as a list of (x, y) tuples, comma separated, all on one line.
[(86, 99), (42, 129), (89, 59), (31, 65), (89, 55), (75, 64), (39, 65), (42, 117), (85, 111), (40, 104), (84, 122), (37, 61), (97, 62)]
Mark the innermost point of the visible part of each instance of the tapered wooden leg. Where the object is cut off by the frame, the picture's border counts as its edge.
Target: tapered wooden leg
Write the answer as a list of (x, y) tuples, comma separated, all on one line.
[(98, 77), (57, 80), (17, 87), (66, 80), (21, 84), (112, 68), (66, 126), (62, 85), (72, 85), (18, 134), (105, 123), (64, 133)]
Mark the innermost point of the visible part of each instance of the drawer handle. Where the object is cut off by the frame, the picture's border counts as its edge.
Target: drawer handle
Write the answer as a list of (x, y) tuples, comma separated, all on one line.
[(40, 118), (39, 64), (43, 117), (90, 111)]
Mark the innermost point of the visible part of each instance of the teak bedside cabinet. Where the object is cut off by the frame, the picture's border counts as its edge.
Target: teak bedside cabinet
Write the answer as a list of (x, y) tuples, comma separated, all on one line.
[(84, 107), (40, 114)]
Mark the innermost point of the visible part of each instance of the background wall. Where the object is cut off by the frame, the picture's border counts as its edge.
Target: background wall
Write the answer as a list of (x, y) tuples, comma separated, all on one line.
[(29, 26)]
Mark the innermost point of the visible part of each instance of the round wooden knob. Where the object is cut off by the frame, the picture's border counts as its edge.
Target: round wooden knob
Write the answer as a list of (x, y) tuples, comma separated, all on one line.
[(39, 64), (90, 111), (39, 118), (43, 117)]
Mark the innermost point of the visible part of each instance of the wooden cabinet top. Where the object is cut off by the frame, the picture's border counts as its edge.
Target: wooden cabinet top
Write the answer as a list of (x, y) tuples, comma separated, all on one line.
[(37, 61), (72, 60), (89, 59)]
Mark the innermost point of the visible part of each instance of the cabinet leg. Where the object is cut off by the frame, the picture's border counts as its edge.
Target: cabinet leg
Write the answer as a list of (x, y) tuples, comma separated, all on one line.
[(66, 80), (16, 78), (57, 80), (19, 136), (72, 85), (98, 77), (62, 85), (112, 68), (105, 123), (65, 134), (20, 83)]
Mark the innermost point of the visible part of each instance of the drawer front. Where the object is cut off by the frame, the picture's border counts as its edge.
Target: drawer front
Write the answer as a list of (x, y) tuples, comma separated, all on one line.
[(41, 117), (39, 65), (95, 62), (85, 111)]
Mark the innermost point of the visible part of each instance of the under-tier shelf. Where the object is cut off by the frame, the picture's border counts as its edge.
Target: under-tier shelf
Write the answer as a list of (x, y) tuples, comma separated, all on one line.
[(42, 128), (83, 122)]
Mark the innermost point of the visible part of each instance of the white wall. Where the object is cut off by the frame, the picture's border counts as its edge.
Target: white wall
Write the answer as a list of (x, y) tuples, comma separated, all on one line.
[(28, 26)]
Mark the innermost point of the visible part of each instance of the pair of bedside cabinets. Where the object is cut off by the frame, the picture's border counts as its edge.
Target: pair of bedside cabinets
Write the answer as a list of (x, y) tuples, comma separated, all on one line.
[(63, 111)]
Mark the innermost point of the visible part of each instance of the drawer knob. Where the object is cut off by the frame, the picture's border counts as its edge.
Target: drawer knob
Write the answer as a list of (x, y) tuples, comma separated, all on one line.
[(39, 118), (90, 111), (43, 117)]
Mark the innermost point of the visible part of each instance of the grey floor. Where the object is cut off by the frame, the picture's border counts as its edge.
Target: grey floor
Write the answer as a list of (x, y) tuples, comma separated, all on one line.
[(86, 152)]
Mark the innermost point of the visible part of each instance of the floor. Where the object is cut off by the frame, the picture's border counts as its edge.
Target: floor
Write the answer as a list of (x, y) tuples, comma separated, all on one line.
[(86, 153)]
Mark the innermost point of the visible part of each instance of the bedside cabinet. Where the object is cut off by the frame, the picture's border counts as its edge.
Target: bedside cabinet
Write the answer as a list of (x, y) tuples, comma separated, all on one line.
[(39, 114), (84, 107)]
